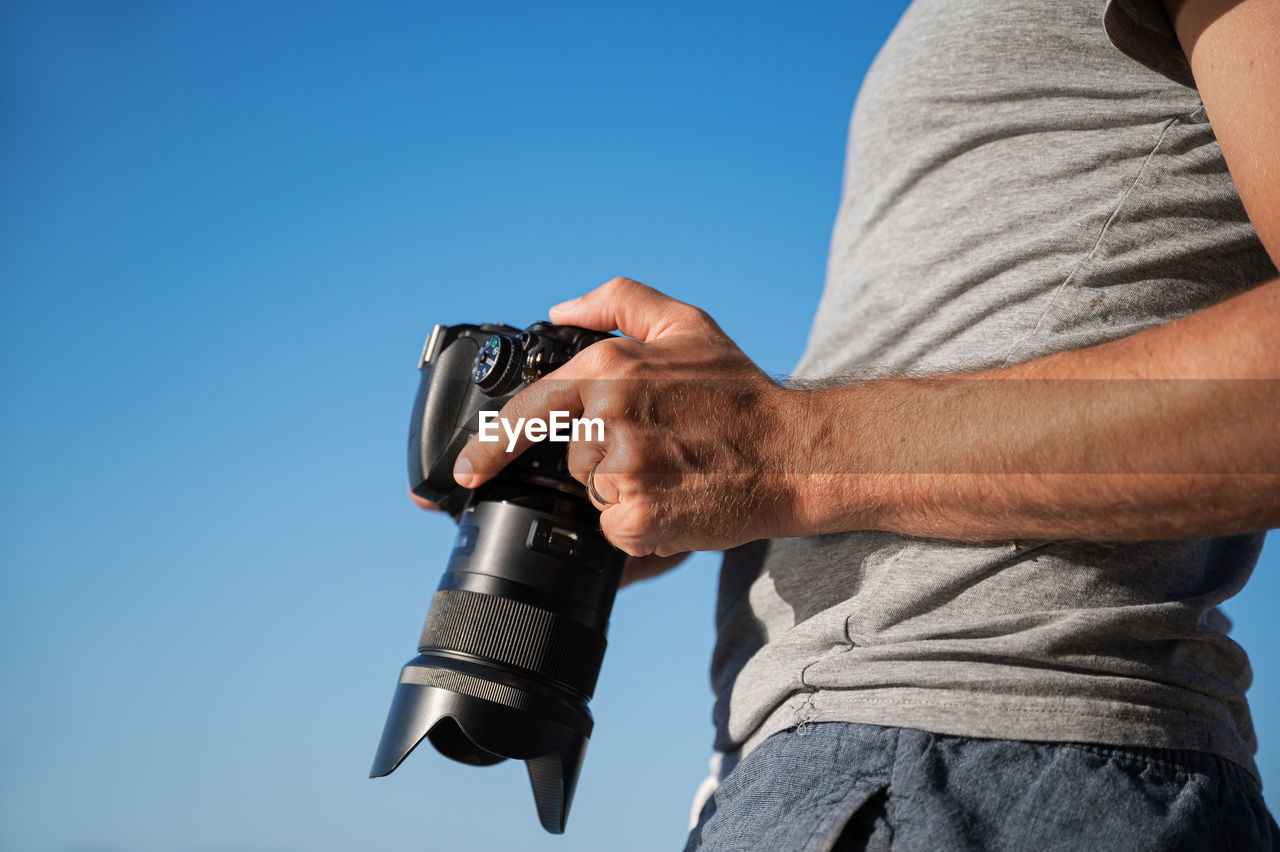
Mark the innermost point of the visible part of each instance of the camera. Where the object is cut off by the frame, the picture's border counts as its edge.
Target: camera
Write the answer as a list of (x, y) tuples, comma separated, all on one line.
[(515, 633)]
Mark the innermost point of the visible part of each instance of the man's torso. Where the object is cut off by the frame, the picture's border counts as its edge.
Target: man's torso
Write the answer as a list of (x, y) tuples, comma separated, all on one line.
[(1015, 186)]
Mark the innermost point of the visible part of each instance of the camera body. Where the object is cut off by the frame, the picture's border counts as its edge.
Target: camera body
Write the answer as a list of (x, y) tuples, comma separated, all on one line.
[(515, 634), (467, 369)]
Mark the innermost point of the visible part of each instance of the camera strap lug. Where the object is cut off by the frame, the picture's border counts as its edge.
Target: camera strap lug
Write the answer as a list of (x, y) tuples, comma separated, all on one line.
[(430, 348)]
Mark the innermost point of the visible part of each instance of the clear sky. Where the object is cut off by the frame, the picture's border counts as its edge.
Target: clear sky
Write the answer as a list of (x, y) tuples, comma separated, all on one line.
[(225, 229)]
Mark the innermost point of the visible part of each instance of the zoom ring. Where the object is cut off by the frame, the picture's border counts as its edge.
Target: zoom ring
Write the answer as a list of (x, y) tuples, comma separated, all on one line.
[(515, 634)]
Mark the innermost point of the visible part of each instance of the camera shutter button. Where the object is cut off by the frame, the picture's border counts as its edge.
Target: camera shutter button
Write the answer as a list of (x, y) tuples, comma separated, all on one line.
[(535, 363)]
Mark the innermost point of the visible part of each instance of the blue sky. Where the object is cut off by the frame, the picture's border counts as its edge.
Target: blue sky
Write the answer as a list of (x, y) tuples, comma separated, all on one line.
[(224, 231)]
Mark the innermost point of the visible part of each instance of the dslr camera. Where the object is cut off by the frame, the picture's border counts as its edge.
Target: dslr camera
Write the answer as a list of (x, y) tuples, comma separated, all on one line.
[(515, 634)]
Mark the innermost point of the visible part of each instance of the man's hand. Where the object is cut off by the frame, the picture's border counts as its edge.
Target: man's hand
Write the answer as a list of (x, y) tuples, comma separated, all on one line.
[(694, 432)]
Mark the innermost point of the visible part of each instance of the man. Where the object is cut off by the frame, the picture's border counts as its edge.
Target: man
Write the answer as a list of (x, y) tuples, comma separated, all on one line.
[(977, 610)]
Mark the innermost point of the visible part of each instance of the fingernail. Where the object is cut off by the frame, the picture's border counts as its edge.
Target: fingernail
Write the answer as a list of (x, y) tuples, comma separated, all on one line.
[(462, 472), (564, 306)]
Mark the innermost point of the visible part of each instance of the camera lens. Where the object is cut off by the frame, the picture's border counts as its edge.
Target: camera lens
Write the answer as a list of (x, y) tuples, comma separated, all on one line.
[(512, 646), (515, 634)]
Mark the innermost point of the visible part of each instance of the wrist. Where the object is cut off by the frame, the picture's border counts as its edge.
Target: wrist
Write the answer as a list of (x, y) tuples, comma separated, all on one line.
[(828, 445)]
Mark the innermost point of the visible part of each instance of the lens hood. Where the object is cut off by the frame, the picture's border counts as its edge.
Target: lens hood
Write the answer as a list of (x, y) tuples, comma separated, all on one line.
[(475, 715)]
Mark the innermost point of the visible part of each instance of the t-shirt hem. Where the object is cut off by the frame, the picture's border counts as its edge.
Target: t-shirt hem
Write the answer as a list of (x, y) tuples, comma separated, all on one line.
[(979, 716)]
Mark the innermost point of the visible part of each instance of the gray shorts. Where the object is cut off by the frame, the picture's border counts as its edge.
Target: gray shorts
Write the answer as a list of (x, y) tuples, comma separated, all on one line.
[(844, 786)]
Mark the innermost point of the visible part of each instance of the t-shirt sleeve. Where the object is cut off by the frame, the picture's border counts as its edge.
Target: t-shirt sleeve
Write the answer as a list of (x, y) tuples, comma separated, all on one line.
[(1141, 29)]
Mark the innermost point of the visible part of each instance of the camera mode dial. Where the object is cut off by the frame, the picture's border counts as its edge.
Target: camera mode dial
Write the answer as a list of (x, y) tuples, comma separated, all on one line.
[(497, 365)]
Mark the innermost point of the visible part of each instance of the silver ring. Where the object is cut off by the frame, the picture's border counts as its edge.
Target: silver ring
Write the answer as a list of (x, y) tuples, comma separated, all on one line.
[(591, 485)]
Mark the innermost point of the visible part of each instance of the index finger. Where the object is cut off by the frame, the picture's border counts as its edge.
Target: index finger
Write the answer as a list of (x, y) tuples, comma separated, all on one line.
[(480, 460), (635, 309)]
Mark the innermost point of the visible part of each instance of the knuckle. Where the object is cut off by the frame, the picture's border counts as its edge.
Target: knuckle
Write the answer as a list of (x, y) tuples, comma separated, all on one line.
[(629, 456), (595, 359), (629, 528), (695, 316), (611, 404), (587, 362), (605, 356), (620, 283), (614, 354)]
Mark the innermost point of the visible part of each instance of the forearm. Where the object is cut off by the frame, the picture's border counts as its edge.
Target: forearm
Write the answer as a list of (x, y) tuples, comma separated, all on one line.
[(1169, 433)]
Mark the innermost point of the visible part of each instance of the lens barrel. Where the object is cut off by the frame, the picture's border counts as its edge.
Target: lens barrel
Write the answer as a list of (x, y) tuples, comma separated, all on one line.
[(513, 642)]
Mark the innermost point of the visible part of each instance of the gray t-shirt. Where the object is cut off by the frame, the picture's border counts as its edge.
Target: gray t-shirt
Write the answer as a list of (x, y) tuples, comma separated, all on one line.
[(1015, 185)]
